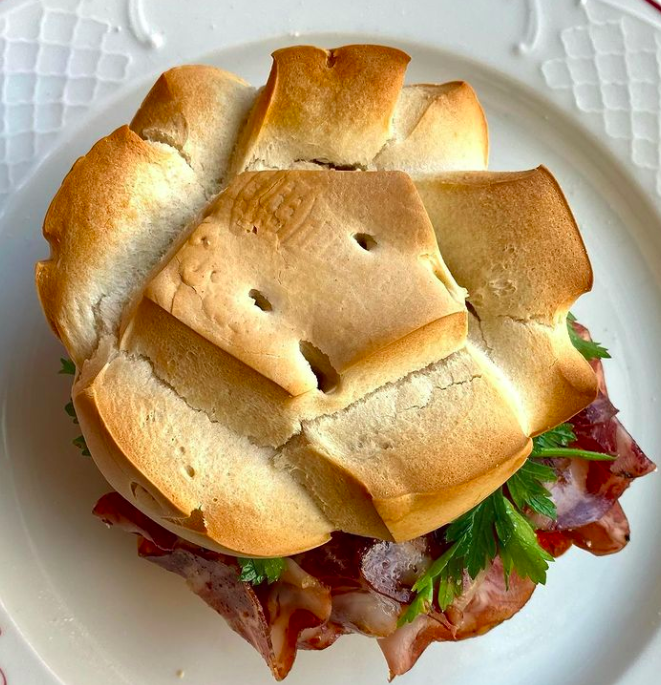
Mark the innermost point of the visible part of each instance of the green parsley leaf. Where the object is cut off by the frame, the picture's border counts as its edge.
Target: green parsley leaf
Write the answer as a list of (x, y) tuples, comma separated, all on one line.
[(71, 411), (450, 582), (518, 546), (588, 348), (560, 436), (257, 571), (447, 571), (493, 527), (80, 443), (421, 603), (554, 443), (67, 366), (498, 527), (526, 488), (473, 533)]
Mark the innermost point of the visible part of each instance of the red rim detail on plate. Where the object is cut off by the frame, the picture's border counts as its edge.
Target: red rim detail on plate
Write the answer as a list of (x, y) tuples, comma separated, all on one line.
[(653, 3)]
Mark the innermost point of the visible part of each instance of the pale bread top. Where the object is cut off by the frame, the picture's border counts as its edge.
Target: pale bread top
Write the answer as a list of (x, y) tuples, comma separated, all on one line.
[(302, 275), (346, 109), (435, 440), (198, 110), (199, 480), (414, 453), (190, 124), (330, 106)]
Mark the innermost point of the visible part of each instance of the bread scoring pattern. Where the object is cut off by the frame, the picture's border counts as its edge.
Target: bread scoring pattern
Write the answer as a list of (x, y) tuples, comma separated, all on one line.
[(270, 345), (290, 239)]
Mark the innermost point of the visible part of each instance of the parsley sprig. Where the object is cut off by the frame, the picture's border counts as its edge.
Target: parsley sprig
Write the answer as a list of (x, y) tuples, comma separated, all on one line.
[(499, 525), (527, 488), (588, 348), (555, 443), (493, 527), (258, 571), (68, 368)]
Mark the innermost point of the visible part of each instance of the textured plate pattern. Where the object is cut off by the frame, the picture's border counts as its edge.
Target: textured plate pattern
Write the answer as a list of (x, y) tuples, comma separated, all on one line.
[(55, 62), (612, 67)]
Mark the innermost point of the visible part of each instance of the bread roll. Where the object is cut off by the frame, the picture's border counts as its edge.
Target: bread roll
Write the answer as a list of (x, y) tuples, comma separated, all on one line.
[(197, 110), (190, 123), (193, 475), (115, 216), (268, 356)]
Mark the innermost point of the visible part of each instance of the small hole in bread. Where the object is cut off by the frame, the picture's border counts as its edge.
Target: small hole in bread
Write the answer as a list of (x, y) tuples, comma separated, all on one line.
[(190, 471), (365, 241), (261, 302), (327, 377), (255, 230)]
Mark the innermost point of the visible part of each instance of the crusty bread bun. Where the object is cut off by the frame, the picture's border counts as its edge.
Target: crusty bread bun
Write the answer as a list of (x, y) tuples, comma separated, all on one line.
[(527, 267), (346, 108), (270, 345), (113, 219)]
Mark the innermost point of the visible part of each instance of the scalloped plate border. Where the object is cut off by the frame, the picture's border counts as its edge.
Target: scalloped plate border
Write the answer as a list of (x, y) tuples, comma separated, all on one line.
[(600, 61)]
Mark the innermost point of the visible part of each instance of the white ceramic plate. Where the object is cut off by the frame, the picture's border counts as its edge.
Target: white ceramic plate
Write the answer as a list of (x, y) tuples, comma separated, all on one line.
[(575, 86)]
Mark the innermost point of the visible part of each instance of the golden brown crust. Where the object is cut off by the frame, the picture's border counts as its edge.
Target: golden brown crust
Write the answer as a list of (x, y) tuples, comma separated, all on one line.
[(214, 449), (527, 257), (416, 448), (409, 516), (437, 128), (198, 110), (101, 212), (329, 105), (525, 268), (339, 265), (211, 379), (347, 108), (166, 458)]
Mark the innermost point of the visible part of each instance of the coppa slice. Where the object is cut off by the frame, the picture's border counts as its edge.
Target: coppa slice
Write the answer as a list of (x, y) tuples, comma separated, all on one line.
[(322, 282)]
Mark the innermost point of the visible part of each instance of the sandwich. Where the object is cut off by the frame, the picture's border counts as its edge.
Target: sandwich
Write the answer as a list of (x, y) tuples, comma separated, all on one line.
[(326, 359)]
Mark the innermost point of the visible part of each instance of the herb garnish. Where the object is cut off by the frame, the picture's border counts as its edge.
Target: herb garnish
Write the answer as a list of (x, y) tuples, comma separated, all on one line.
[(528, 491), (494, 526), (498, 525), (69, 368), (257, 571), (554, 443), (588, 348)]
